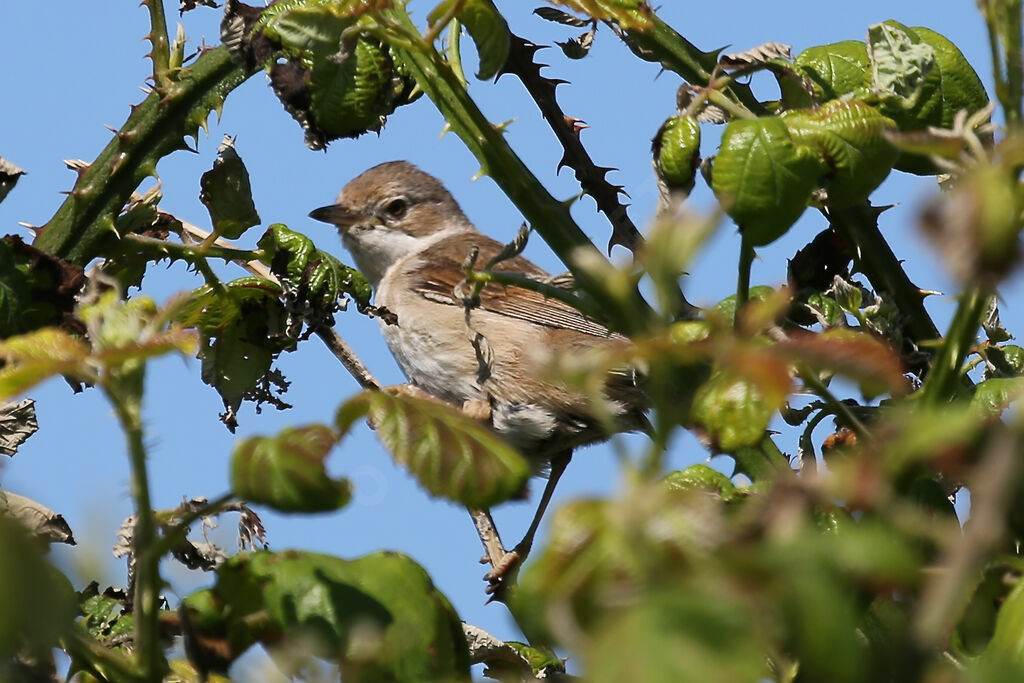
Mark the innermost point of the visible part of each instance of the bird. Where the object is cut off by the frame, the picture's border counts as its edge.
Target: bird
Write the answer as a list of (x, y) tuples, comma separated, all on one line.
[(411, 240)]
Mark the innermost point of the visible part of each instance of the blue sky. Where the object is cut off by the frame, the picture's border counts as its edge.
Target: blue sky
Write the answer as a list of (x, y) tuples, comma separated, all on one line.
[(79, 66)]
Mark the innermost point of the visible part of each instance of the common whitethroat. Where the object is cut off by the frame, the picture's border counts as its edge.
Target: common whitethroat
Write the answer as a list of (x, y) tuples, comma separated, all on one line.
[(411, 240)]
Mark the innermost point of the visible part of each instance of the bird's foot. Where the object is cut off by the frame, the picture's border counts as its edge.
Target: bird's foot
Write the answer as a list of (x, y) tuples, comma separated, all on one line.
[(502, 573)]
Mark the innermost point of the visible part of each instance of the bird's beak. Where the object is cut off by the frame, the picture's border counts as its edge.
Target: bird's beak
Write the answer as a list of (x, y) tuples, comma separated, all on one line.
[(338, 214)]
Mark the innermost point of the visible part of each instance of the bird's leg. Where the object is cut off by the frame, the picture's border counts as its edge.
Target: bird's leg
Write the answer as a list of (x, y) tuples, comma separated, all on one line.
[(515, 557)]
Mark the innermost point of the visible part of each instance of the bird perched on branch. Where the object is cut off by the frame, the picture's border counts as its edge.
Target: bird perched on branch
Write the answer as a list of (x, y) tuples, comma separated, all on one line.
[(483, 353)]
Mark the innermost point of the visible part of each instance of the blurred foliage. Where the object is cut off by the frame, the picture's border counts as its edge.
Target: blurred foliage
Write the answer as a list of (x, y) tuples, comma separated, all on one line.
[(843, 561)]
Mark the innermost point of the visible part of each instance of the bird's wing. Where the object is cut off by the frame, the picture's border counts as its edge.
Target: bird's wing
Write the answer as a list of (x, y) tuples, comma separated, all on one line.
[(438, 282)]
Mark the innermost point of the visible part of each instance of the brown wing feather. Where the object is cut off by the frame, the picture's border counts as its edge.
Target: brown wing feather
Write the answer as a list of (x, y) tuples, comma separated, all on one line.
[(439, 280)]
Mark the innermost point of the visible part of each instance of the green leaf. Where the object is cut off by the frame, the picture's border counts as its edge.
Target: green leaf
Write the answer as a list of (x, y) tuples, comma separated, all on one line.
[(309, 274), (993, 396), (486, 26), (676, 150), (378, 616), (849, 135), (900, 62), (450, 454), (241, 332), (108, 616), (733, 411), (338, 82), (701, 478), (924, 81), (832, 70), (227, 194), (762, 178), (287, 471)]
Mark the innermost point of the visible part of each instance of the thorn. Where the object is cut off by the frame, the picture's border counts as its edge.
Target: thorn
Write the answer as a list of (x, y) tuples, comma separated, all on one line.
[(562, 163), (147, 91), (118, 163), (110, 128), (924, 293), (126, 136), (576, 124), (33, 229), (500, 127), (445, 129), (479, 174)]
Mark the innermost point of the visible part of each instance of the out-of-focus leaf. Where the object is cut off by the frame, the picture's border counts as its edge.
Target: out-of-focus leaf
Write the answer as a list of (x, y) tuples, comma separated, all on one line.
[(17, 423), (850, 137), (629, 14), (679, 635), (602, 550), (1005, 652), (379, 616), (227, 194), (9, 174), (727, 306), (37, 603), (763, 178), (287, 471), (450, 454), (39, 520), (734, 410), (857, 355), (486, 26), (31, 358), (702, 478)]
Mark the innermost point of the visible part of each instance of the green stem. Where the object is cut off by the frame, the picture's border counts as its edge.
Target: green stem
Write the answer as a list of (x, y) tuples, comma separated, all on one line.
[(547, 215), (738, 111), (567, 296), (155, 128), (836, 407), (160, 51), (747, 256), (943, 380), (661, 43), (123, 394), (761, 462), (102, 662), (193, 254)]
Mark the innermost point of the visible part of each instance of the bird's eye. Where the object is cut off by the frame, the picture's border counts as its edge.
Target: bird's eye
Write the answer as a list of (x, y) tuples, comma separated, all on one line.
[(396, 207)]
